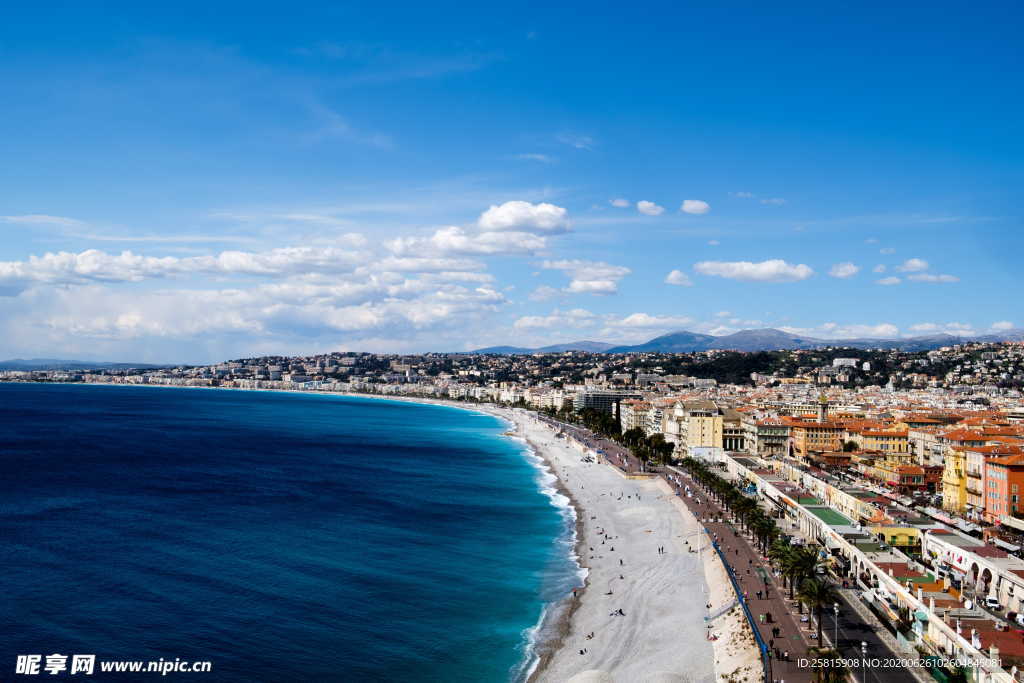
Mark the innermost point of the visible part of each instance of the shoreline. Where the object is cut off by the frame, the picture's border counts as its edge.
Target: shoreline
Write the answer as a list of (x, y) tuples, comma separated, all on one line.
[(643, 650)]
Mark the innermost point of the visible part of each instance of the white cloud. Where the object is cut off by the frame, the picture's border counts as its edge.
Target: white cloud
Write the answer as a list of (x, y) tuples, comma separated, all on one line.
[(961, 329), (1002, 325), (649, 208), (455, 240), (723, 314), (886, 251), (543, 158), (525, 217), (871, 240), (743, 195), (912, 265), (695, 206), (774, 201), (713, 243), (589, 277), (844, 270), (543, 293), (772, 270), (43, 219), (888, 281), (832, 330), (880, 268), (646, 321), (933, 278), (577, 317), (575, 140), (619, 203), (94, 265), (678, 277)]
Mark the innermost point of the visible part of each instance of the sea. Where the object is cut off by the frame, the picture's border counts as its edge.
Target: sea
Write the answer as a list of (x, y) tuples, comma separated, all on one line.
[(281, 536)]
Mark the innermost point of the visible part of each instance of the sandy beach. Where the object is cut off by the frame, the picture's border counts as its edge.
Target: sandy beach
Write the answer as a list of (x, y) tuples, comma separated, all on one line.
[(660, 633)]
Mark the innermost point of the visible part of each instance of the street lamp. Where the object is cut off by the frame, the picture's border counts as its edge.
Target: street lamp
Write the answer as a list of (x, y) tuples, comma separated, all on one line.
[(863, 661), (835, 643)]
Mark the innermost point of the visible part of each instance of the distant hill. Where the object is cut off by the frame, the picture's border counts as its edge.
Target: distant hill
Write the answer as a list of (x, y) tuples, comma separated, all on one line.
[(57, 364), (502, 350), (768, 339), (590, 346), (674, 342), (764, 340)]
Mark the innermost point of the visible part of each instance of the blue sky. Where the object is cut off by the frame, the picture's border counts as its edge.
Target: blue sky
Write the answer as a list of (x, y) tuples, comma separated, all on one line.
[(191, 183)]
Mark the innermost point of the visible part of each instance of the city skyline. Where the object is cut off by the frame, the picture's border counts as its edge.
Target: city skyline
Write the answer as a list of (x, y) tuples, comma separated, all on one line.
[(188, 187)]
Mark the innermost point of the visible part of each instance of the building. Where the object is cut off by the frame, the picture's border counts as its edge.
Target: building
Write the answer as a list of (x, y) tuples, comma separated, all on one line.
[(600, 399), (772, 437), (1004, 484), (813, 436)]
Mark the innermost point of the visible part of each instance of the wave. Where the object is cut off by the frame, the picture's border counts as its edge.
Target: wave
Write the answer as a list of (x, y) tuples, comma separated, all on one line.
[(546, 628)]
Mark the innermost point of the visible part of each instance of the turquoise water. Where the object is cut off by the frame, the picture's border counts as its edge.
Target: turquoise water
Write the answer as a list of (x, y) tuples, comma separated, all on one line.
[(284, 537)]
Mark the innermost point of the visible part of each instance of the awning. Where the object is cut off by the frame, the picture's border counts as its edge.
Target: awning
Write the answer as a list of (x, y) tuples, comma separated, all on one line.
[(1006, 546), (921, 615)]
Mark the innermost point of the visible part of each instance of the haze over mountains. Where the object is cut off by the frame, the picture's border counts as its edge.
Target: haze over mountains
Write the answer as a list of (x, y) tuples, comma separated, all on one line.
[(58, 364), (757, 340)]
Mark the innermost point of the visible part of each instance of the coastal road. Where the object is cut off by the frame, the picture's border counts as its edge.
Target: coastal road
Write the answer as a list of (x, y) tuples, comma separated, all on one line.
[(797, 635)]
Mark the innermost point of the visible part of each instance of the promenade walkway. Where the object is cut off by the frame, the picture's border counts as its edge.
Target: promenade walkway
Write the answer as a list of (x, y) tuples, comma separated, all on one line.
[(753, 572)]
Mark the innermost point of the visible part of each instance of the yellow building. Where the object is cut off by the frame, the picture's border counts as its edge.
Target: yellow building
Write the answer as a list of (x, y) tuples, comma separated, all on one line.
[(954, 482), (885, 441)]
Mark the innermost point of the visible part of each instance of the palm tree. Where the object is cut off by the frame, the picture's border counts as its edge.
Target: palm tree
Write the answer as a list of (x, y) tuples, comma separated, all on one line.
[(799, 565), (817, 595)]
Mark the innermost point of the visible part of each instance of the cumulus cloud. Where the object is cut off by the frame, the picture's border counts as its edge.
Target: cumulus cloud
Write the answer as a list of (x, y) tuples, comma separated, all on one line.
[(886, 251), (844, 270), (888, 281), (956, 328), (880, 268), (619, 203), (695, 206), (743, 195), (678, 277), (93, 265), (1002, 325), (713, 243), (832, 330), (543, 293), (912, 265), (649, 208), (646, 321), (774, 201), (577, 317), (772, 270), (520, 216), (589, 277), (455, 240), (933, 278)]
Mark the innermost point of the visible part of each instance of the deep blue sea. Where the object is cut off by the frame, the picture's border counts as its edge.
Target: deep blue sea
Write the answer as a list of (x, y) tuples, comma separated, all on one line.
[(282, 536)]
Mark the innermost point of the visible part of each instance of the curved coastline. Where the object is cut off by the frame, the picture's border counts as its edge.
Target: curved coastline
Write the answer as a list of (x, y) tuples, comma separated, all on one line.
[(544, 638), (666, 638)]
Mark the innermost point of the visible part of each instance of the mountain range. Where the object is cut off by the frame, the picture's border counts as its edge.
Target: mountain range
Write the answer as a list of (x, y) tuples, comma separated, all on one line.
[(56, 364), (756, 340)]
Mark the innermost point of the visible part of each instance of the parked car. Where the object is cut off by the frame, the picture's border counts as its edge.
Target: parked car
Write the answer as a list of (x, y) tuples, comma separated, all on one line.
[(992, 603)]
